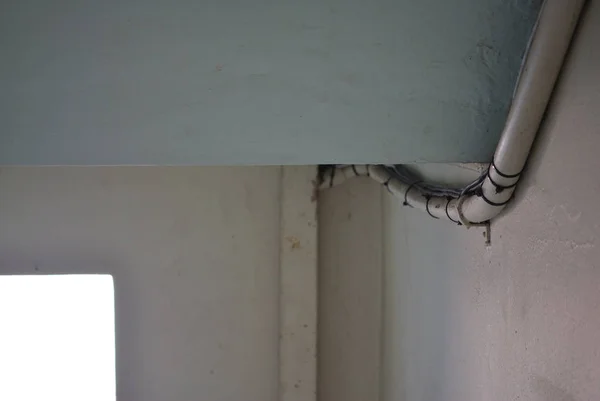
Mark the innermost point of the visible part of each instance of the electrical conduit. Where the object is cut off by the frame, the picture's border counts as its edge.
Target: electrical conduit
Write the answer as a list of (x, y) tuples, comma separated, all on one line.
[(548, 48)]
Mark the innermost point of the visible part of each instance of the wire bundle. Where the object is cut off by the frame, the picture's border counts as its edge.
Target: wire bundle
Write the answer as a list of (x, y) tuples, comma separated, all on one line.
[(405, 175)]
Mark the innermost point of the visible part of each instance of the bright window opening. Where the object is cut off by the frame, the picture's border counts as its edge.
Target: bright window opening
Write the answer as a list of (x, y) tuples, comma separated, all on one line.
[(57, 338)]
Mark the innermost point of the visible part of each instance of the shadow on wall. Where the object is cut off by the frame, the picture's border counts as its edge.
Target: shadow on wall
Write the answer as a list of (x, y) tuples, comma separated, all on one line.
[(547, 391), (350, 281)]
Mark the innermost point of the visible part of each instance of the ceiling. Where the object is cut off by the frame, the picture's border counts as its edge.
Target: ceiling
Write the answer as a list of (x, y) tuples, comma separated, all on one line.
[(179, 82)]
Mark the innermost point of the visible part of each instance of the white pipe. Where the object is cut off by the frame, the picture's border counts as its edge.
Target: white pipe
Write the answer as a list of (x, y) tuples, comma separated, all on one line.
[(549, 45), (545, 57)]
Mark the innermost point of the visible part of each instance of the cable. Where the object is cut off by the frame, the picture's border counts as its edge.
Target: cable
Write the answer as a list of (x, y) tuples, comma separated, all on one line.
[(403, 174)]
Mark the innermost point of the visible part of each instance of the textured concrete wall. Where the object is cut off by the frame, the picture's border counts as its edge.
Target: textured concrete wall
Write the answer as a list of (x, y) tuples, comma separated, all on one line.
[(519, 320), (261, 82)]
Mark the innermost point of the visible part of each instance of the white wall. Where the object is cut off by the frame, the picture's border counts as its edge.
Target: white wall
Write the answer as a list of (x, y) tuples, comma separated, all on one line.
[(518, 320), (195, 254), (210, 82)]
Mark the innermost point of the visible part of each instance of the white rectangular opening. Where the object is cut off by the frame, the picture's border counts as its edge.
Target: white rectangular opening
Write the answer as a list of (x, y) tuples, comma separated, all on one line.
[(57, 338)]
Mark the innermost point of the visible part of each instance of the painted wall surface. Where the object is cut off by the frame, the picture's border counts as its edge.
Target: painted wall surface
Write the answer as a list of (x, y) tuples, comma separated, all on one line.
[(518, 320), (259, 82), (350, 279), (194, 253)]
